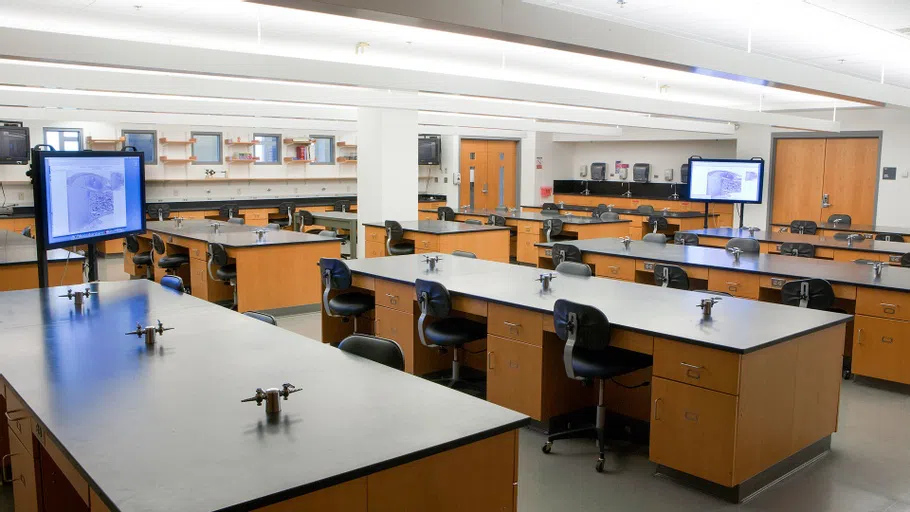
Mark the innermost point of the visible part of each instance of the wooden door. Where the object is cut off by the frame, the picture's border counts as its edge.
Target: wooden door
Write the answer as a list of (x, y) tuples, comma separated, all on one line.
[(473, 170), (501, 157), (799, 169), (514, 375), (851, 171)]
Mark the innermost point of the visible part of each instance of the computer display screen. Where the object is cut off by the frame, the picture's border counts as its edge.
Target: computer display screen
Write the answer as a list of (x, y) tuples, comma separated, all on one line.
[(90, 196), (726, 181)]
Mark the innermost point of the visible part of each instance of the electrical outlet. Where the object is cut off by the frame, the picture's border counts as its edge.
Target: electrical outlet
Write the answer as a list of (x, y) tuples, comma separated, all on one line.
[(436, 179), (21, 196), (445, 180)]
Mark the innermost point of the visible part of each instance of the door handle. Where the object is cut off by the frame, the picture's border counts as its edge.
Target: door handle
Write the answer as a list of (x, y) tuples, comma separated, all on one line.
[(490, 364), (889, 309), (393, 299), (859, 336), (887, 339), (656, 409), (513, 327)]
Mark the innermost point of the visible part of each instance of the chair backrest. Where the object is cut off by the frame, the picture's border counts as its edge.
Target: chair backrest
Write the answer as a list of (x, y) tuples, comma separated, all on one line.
[(393, 230), (581, 327), (342, 206), (655, 238), (889, 237), (658, 223), (841, 219), (598, 210), (376, 349), (262, 317), (804, 227), (237, 220), (157, 243), (550, 207), (464, 254), (173, 282), (335, 274), (287, 208), (159, 211), (905, 260), (808, 293), (474, 222), (553, 227), (27, 231), (671, 276), (645, 208), (132, 244), (218, 254), (609, 216), (433, 298), (565, 252), (497, 220), (549, 212), (574, 268), (680, 238), (848, 236), (228, 211), (746, 245), (799, 249), (306, 219), (445, 213)]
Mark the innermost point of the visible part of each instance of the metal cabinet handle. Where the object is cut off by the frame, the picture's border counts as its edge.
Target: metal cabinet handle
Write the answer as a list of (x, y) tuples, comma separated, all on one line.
[(6, 479), (889, 309), (513, 327), (490, 364), (691, 416), (887, 339), (393, 299), (613, 269), (859, 336), (732, 286), (656, 409), (694, 367)]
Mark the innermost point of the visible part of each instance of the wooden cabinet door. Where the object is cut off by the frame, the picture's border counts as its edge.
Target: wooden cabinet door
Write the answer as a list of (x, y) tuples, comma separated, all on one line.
[(851, 171), (25, 491), (881, 348), (473, 173), (515, 375), (501, 156), (799, 173), (693, 430)]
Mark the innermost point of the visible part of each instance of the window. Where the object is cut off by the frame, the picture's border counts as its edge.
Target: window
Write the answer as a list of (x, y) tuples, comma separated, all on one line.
[(207, 148), (145, 141), (268, 151), (64, 139), (323, 149)]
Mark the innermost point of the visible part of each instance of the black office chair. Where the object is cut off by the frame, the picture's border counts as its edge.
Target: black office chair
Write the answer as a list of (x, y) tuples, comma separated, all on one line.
[(380, 350), (174, 283), (140, 259), (305, 219), (598, 210), (445, 332), (798, 249), (845, 237), (608, 216), (445, 213), (808, 293), (336, 276), (681, 238), (169, 262), (645, 208), (655, 238), (553, 229), (464, 254), (574, 268), (889, 237), (658, 223), (27, 231), (905, 260), (670, 276), (565, 252), (474, 222), (342, 206), (395, 244), (228, 211), (159, 211), (288, 208), (840, 219), (746, 245), (804, 227), (227, 272), (262, 317), (237, 220), (588, 356), (549, 208)]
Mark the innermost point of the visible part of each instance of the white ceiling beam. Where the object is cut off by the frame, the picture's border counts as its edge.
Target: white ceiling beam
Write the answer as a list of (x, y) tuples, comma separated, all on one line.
[(433, 118), (81, 49)]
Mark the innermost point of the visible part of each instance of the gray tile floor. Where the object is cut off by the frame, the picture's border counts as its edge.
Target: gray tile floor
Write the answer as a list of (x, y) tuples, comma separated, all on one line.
[(867, 470)]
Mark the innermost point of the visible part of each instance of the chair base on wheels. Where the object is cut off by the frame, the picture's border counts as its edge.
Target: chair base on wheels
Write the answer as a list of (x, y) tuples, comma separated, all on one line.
[(461, 378)]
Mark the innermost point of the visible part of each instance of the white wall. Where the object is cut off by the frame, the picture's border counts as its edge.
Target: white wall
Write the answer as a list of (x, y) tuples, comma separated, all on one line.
[(661, 155)]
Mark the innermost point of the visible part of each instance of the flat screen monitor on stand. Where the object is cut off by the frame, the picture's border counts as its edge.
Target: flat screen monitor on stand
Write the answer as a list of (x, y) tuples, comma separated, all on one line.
[(86, 197), (726, 181)]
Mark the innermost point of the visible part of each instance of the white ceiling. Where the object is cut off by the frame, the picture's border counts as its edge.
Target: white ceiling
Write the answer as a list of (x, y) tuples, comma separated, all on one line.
[(235, 26), (855, 37)]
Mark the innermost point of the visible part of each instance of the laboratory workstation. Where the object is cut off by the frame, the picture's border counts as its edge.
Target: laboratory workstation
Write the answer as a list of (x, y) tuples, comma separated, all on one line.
[(412, 256)]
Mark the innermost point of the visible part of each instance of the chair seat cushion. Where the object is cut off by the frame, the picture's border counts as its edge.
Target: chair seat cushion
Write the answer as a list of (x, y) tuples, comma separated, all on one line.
[(227, 272), (352, 304), (454, 331), (173, 260), (611, 362), (401, 249), (142, 258)]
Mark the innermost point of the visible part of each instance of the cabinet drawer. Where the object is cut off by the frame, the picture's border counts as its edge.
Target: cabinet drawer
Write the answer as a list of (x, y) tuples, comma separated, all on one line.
[(698, 366), (25, 491), (692, 272), (881, 348), (19, 419), (515, 375), (425, 242), (738, 284), (375, 249), (634, 341), (613, 267), (398, 326), (374, 234), (850, 256), (692, 430), (532, 228), (883, 303), (517, 324), (395, 295)]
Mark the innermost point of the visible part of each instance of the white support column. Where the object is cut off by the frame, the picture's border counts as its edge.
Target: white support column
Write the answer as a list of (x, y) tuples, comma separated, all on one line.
[(386, 167)]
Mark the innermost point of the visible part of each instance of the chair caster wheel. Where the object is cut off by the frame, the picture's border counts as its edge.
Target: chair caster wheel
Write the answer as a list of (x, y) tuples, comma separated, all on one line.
[(599, 467), (847, 374), (547, 447)]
